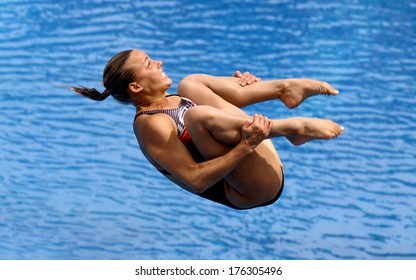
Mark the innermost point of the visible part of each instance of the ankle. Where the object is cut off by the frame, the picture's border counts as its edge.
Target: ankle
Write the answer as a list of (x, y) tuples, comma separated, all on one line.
[(298, 126), (282, 88)]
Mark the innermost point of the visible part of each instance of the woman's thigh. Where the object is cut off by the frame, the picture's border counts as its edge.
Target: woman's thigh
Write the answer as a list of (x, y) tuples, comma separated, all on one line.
[(203, 95), (256, 179)]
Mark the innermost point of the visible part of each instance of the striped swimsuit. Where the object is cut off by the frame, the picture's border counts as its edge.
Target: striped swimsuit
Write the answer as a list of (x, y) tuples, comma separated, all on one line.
[(177, 114)]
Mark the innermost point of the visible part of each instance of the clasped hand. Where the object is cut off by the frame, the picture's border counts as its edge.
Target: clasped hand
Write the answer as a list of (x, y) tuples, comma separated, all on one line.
[(257, 129)]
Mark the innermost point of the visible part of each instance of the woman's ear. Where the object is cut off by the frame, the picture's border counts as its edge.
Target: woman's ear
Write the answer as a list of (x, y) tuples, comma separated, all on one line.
[(135, 87)]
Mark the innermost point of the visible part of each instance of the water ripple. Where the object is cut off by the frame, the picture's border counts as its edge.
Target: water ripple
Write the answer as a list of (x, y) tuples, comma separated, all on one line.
[(74, 184)]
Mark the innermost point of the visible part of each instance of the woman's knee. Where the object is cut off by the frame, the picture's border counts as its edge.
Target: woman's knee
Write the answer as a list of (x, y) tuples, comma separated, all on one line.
[(200, 116), (188, 86)]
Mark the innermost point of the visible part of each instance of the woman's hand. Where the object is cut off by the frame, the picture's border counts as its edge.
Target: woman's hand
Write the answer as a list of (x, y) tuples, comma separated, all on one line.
[(246, 79), (256, 130)]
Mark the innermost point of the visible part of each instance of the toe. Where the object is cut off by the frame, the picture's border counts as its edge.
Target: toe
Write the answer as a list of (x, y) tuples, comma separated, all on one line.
[(328, 89)]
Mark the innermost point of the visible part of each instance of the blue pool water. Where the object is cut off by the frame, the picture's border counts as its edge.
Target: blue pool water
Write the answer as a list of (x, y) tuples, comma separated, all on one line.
[(74, 185)]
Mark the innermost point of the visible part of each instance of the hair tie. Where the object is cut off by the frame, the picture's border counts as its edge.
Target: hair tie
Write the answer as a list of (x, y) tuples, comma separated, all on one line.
[(106, 93)]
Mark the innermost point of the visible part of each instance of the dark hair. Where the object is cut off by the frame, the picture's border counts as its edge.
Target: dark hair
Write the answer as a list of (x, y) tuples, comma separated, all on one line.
[(116, 79)]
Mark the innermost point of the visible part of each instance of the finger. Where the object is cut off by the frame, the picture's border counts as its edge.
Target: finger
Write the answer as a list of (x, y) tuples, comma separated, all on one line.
[(244, 78), (237, 74), (246, 75), (262, 122), (252, 79), (269, 126), (266, 125), (247, 124), (256, 120), (265, 122), (249, 78)]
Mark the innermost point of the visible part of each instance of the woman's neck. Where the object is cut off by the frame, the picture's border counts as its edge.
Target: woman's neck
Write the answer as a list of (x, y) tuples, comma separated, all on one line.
[(151, 101)]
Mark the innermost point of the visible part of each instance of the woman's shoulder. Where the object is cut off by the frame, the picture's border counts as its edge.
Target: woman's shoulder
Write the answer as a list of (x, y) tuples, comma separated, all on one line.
[(153, 125)]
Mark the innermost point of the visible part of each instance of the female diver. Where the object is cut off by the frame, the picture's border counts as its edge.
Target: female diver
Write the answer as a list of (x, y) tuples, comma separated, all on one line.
[(200, 139)]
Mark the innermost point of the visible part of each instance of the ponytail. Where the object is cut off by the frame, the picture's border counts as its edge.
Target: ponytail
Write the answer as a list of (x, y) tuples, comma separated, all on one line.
[(116, 79), (91, 93)]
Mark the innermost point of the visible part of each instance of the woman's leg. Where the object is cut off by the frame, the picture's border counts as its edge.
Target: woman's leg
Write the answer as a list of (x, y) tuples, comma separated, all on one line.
[(226, 127), (292, 92), (257, 178)]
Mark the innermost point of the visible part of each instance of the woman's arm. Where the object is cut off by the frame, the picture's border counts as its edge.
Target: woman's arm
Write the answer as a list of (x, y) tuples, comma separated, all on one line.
[(158, 137)]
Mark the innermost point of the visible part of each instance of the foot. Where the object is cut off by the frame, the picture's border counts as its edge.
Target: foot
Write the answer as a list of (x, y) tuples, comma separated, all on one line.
[(296, 90), (309, 129)]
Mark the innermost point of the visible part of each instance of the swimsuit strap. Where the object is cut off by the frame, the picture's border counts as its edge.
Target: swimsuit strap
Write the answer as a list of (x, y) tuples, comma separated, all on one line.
[(151, 112), (177, 114)]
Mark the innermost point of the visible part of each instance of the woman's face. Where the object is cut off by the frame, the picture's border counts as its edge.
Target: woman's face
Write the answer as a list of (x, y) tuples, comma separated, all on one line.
[(149, 73)]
